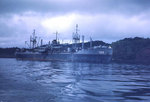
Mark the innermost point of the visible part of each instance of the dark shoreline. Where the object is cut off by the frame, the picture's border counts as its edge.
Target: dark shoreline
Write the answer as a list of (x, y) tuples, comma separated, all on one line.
[(113, 61), (128, 50), (130, 62), (7, 56)]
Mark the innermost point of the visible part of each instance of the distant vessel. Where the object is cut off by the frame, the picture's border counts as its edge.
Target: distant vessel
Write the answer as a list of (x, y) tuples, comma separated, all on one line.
[(65, 52)]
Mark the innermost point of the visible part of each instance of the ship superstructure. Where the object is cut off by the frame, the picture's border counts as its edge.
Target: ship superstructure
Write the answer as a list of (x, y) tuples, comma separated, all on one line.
[(66, 52)]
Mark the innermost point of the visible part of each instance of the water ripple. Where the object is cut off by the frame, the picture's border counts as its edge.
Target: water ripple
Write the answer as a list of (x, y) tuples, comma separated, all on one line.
[(84, 82)]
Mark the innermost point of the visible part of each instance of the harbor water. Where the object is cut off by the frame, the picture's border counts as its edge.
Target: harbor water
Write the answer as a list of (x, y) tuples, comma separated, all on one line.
[(36, 81)]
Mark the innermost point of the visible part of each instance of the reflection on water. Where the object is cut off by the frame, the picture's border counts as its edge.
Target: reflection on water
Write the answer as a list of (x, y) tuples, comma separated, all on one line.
[(84, 82)]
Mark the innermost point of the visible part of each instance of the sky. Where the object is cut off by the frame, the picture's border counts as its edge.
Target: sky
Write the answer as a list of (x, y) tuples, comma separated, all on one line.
[(106, 20)]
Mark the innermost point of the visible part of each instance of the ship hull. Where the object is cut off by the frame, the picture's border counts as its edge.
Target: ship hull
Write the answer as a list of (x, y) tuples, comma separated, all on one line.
[(66, 57)]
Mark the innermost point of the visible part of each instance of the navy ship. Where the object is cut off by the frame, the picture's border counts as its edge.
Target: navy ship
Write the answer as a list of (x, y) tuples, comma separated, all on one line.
[(65, 52)]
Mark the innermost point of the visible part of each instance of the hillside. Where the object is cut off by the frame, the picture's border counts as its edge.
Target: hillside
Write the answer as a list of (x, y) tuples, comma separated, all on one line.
[(7, 52), (128, 50), (134, 50)]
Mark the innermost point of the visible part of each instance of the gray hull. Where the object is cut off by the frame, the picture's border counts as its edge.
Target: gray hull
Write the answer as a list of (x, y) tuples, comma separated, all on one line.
[(66, 57)]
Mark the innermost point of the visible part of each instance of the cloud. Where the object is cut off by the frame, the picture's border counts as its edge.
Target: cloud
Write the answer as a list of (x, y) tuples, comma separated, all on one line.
[(84, 6), (107, 20)]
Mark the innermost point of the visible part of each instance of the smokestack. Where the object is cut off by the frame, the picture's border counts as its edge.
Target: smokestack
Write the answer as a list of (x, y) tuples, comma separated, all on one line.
[(30, 41), (41, 42), (90, 42), (82, 41)]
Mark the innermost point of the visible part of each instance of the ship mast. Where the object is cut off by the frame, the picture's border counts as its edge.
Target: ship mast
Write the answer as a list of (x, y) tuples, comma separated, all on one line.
[(76, 36), (77, 29), (56, 35), (33, 40)]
